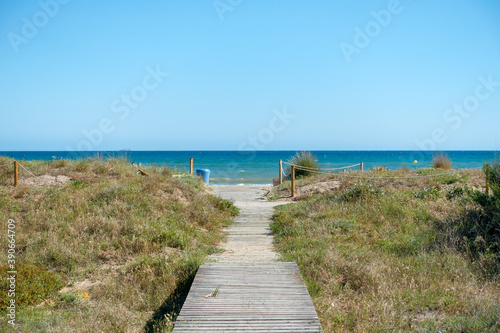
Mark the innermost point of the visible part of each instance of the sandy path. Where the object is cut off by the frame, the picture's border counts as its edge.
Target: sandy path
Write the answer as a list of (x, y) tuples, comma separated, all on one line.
[(249, 239)]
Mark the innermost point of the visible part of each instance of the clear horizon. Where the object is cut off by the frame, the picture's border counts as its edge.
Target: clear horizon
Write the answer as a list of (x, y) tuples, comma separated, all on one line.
[(264, 150), (240, 75)]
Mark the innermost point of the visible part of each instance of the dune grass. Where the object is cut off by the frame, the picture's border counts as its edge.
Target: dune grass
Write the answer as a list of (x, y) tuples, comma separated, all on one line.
[(306, 160), (124, 245), (441, 161), (377, 255)]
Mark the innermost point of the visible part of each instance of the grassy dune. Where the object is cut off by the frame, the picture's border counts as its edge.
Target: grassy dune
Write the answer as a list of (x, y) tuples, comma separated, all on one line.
[(122, 246), (380, 255)]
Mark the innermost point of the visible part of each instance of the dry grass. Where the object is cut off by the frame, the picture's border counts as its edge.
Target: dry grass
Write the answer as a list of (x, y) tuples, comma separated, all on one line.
[(318, 183), (374, 260), (441, 161), (128, 244)]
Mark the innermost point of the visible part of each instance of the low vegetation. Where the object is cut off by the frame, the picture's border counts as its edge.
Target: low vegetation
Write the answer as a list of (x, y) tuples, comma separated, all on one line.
[(109, 251), (304, 160), (396, 254), (475, 230), (493, 172), (441, 161)]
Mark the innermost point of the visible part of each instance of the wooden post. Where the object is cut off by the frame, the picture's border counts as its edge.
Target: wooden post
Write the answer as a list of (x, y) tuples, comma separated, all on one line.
[(361, 166), (16, 173), (293, 181), (191, 166), (487, 178), (281, 172)]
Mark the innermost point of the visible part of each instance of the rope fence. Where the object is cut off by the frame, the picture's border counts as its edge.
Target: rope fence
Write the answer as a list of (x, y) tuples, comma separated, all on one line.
[(16, 165), (22, 166), (372, 177), (313, 169), (190, 162), (175, 167), (179, 165), (294, 167)]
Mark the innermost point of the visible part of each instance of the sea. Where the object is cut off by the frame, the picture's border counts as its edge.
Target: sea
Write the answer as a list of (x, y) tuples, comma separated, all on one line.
[(260, 167)]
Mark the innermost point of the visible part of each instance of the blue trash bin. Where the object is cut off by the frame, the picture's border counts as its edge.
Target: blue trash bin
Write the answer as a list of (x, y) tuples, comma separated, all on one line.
[(205, 174)]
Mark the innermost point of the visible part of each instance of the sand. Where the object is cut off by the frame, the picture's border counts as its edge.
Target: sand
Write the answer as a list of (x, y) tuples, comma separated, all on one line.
[(250, 238)]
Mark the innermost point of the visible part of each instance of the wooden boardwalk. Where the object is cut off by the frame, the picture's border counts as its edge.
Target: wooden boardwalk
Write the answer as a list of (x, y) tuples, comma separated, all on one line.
[(248, 297), (247, 289)]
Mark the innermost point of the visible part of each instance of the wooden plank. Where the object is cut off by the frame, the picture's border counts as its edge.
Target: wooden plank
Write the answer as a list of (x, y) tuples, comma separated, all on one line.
[(251, 297), (16, 174)]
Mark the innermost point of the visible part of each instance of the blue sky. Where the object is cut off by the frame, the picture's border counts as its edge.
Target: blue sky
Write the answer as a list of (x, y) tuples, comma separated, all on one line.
[(281, 74)]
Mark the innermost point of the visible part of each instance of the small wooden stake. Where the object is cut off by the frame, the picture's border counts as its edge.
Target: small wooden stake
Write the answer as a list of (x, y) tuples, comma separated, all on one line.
[(191, 166), (281, 172), (293, 181), (16, 174), (361, 166), (487, 178)]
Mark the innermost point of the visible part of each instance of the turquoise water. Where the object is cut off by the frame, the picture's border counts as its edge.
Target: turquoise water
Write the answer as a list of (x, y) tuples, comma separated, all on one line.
[(260, 167)]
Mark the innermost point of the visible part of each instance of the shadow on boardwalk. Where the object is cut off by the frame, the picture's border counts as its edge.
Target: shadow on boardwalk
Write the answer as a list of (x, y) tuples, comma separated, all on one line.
[(170, 307)]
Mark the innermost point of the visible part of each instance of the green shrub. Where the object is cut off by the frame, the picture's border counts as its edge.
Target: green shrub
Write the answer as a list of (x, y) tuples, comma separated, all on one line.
[(59, 163), (67, 300), (489, 223), (458, 192), (82, 165), (342, 225), (476, 230), (427, 193), (448, 179), (78, 183), (359, 192), (33, 285), (305, 160), (224, 205), (493, 173)]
